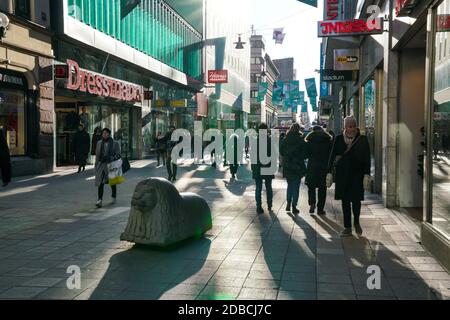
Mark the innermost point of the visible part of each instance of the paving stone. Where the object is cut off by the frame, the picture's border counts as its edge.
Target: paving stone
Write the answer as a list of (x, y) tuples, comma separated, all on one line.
[(22, 292)]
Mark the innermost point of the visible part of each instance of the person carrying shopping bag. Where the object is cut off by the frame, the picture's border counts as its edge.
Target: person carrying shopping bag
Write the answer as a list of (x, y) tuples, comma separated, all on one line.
[(107, 151), (350, 161)]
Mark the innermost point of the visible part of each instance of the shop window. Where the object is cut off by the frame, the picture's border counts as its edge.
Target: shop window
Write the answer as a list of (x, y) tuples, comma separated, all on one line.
[(439, 153), (22, 8), (12, 119)]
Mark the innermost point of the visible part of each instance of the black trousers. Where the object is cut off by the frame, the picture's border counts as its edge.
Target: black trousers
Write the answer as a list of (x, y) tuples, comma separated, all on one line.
[(234, 168), (171, 169), (101, 189), (6, 172), (321, 195), (347, 207), (161, 154)]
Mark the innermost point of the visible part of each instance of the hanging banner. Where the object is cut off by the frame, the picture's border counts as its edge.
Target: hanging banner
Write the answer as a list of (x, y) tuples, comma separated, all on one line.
[(311, 87), (294, 92), (262, 91), (277, 92), (301, 96), (304, 107), (294, 109), (278, 35), (346, 59), (312, 3), (313, 102)]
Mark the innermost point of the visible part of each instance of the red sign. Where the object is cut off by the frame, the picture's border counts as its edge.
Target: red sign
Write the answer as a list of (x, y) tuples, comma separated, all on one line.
[(443, 22), (148, 95), (332, 9), (61, 71), (100, 85), (349, 27), (218, 76)]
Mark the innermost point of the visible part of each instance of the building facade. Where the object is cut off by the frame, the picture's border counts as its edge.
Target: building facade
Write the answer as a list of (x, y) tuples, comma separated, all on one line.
[(262, 70), (134, 69), (400, 99), (229, 101), (26, 86)]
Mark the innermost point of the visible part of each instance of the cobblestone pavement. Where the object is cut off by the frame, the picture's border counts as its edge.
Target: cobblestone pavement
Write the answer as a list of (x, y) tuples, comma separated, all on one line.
[(49, 223)]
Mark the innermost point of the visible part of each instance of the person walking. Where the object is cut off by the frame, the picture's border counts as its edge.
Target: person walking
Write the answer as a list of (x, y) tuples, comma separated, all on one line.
[(293, 151), (107, 151), (350, 159), (234, 162), (318, 148), (5, 160), (171, 167), (160, 149), (96, 137), (259, 177), (81, 145)]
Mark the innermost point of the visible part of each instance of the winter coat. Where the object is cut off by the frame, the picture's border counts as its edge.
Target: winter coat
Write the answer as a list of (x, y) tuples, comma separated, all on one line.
[(103, 158), (81, 144), (293, 152), (5, 159), (256, 167), (318, 148), (350, 166)]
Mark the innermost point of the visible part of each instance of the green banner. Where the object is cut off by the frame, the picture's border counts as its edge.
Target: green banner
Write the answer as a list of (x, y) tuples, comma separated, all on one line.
[(277, 92), (311, 88), (294, 89), (313, 101), (262, 91), (304, 107)]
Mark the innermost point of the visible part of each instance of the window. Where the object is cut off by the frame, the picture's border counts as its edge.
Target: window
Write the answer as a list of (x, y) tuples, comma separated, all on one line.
[(254, 93), (22, 8)]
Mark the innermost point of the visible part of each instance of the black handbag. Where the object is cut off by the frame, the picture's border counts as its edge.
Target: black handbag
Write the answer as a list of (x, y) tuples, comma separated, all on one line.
[(125, 165)]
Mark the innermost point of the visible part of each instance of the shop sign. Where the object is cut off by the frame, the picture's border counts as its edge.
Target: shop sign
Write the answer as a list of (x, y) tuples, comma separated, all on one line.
[(346, 59), (228, 116), (97, 84), (218, 76), (443, 22), (350, 27), (148, 95), (332, 9), (181, 103), (330, 75), (10, 79), (61, 71)]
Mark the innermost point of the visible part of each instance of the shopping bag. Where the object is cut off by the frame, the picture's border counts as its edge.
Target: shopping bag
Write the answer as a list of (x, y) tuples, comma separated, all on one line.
[(115, 174)]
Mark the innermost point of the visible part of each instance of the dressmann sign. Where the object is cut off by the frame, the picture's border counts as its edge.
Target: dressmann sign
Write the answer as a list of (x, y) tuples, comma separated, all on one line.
[(97, 84)]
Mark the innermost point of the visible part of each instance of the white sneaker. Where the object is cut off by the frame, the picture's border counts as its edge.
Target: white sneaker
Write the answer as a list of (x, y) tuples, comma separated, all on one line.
[(98, 204)]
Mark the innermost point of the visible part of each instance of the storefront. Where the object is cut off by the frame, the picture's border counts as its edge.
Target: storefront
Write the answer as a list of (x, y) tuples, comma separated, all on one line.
[(13, 106), (436, 228)]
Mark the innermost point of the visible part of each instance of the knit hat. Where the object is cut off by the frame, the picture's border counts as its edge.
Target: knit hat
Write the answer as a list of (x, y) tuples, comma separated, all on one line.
[(349, 121)]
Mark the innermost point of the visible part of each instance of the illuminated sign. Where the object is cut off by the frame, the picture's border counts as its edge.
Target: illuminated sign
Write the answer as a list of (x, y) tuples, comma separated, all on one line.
[(100, 85), (346, 59), (332, 75), (218, 76), (332, 9), (443, 22), (350, 27)]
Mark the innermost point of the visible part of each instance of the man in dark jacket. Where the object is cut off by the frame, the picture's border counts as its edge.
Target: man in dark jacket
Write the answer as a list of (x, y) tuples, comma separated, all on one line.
[(351, 160), (259, 177), (171, 167), (293, 151), (5, 160), (81, 145), (318, 148)]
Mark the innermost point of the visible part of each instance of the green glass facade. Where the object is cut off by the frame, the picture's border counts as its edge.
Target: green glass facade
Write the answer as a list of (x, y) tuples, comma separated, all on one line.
[(151, 27)]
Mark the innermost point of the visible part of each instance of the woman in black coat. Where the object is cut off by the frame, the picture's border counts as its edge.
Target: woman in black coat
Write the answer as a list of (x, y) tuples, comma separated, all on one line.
[(81, 145), (258, 175), (293, 151), (351, 161), (318, 148), (5, 160)]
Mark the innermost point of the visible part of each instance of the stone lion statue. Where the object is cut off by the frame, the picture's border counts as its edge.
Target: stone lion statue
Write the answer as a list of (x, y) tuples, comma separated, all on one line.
[(161, 216)]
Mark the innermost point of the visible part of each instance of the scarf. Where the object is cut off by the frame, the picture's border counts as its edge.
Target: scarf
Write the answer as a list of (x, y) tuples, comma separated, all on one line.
[(106, 157), (348, 140)]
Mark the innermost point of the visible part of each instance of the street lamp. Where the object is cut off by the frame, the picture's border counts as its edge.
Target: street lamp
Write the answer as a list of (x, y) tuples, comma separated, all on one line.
[(239, 44)]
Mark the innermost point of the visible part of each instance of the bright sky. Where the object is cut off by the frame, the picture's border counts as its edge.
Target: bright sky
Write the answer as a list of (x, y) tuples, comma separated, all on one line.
[(300, 25)]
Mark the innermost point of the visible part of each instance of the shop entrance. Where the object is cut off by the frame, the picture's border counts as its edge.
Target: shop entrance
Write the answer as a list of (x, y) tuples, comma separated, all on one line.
[(67, 121)]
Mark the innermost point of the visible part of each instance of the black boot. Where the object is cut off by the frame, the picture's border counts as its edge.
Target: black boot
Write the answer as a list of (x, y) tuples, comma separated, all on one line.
[(259, 210), (312, 208), (295, 210), (288, 206)]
